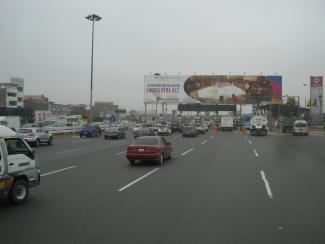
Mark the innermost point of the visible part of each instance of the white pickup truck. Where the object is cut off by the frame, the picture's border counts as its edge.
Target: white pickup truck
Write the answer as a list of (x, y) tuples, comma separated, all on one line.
[(258, 126), (18, 168)]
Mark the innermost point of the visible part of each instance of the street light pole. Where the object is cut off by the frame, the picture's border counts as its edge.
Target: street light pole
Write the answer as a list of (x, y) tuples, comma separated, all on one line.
[(93, 18)]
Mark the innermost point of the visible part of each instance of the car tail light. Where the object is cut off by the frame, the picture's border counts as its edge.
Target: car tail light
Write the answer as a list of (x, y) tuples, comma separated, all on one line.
[(30, 134), (132, 149)]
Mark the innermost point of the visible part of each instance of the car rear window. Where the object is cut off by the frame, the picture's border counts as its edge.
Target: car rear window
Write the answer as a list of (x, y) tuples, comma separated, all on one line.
[(301, 125), (145, 141), (188, 128), (25, 131)]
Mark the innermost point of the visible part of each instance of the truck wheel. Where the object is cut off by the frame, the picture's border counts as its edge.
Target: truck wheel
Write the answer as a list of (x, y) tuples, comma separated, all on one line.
[(37, 142), (50, 142), (19, 192)]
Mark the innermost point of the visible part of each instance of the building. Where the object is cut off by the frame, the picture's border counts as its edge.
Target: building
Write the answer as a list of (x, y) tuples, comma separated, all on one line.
[(9, 96), (41, 106), (60, 109), (101, 109), (19, 82)]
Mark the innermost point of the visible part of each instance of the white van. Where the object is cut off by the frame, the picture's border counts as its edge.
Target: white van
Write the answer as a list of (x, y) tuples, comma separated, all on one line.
[(258, 126), (227, 123), (18, 168), (300, 127)]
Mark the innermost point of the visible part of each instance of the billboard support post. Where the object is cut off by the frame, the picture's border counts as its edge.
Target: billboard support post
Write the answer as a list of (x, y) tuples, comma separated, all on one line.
[(321, 108), (145, 109)]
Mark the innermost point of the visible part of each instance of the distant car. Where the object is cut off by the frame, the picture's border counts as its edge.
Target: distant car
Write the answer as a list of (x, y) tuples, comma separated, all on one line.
[(189, 131), (300, 127), (36, 136), (140, 130), (89, 131), (200, 128), (149, 148), (164, 130), (114, 131)]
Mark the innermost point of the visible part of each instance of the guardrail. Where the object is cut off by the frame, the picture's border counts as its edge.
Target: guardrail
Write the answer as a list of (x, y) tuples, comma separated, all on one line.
[(66, 130)]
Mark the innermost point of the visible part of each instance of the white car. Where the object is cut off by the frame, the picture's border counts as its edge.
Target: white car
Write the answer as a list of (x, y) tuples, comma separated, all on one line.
[(36, 136), (300, 127), (164, 130)]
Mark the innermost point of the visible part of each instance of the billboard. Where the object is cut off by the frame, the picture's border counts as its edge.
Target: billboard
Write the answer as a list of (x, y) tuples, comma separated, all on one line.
[(316, 95), (212, 89)]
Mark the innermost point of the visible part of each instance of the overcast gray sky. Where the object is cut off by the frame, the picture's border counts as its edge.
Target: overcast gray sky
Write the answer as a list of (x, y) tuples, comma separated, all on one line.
[(48, 43)]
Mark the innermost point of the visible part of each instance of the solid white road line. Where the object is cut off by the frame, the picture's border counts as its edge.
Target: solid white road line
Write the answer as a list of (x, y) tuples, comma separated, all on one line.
[(249, 142), (72, 150), (137, 180), (184, 153), (255, 152), (57, 171), (120, 153), (267, 185), (203, 142)]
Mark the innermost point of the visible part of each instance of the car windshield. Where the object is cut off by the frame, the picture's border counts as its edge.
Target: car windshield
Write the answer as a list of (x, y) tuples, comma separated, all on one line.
[(145, 141)]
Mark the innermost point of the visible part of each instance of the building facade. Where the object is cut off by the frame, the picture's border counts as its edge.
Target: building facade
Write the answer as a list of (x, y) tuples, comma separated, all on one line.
[(41, 106), (19, 82), (101, 109)]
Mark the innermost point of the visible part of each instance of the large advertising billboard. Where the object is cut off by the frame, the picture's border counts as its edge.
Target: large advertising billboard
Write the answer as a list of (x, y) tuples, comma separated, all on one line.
[(316, 95), (212, 89)]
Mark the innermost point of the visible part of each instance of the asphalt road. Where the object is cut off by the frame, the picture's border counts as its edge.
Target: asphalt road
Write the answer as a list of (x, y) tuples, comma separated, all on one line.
[(223, 188)]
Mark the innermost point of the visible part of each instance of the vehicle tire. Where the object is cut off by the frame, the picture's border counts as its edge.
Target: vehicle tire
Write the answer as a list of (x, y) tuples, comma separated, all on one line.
[(19, 192), (50, 142), (161, 159), (170, 156), (132, 162), (105, 137), (37, 142)]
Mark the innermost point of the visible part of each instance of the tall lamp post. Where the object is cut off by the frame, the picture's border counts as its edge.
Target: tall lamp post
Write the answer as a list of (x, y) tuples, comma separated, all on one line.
[(93, 18)]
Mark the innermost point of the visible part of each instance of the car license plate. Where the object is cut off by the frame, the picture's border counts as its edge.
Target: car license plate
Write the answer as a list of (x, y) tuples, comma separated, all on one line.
[(140, 150)]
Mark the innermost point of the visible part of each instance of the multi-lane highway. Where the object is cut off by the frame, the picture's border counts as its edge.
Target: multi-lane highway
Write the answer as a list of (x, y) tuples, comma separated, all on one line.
[(218, 188)]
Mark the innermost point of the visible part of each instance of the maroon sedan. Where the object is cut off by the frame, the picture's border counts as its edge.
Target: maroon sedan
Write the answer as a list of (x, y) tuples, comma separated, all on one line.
[(149, 148)]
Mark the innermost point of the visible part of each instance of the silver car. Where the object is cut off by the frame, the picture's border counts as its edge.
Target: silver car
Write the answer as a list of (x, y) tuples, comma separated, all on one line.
[(36, 136)]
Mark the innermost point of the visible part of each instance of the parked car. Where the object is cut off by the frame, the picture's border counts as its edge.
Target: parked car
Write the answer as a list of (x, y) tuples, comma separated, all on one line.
[(189, 131), (89, 131), (149, 148), (114, 131), (19, 170), (36, 136), (164, 130), (300, 127)]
